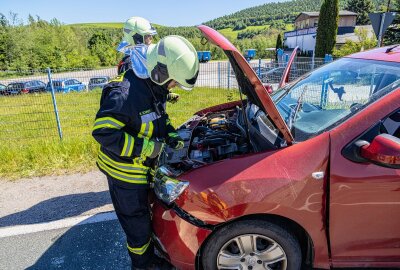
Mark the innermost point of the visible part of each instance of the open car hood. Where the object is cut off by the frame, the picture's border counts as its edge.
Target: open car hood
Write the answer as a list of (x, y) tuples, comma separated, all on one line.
[(249, 83)]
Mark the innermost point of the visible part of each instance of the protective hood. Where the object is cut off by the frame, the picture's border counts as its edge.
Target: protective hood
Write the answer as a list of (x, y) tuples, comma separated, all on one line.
[(249, 83), (137, 56)]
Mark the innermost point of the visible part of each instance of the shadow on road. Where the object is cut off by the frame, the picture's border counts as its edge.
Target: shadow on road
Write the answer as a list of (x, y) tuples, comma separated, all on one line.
[(98, 245), (58, 208)]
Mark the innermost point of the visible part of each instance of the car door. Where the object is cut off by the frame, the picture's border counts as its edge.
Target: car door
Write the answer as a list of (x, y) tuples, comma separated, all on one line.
[(41, 86), (77, 85), (364, 219), (34, 87)]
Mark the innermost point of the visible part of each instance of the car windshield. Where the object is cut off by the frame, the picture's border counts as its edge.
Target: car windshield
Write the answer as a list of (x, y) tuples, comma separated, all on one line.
[(327, 96)]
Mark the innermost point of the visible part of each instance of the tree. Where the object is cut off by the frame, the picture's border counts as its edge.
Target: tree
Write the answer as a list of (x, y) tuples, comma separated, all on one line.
[(364, 43), (327, 28), (279, 45), (362, 8), (279, 42), (100, 46)]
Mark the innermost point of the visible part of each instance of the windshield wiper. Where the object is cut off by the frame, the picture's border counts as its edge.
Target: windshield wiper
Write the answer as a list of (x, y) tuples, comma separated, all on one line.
[(293, 113)]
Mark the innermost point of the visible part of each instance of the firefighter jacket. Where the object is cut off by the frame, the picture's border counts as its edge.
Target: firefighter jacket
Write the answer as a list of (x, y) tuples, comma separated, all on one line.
[(127, 123)]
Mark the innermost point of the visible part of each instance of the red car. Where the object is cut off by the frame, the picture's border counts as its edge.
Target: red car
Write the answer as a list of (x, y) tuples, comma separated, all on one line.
[(308, 176)]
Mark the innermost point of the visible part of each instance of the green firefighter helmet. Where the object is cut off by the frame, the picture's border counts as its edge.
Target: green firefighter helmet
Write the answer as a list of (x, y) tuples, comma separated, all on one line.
[(173, 58), (136, 28)]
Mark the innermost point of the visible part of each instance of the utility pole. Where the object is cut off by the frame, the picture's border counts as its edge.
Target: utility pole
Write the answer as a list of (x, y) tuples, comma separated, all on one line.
[(380, 36)]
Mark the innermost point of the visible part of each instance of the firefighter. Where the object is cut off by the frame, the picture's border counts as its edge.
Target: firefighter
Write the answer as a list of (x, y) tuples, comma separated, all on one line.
[(138, 34), (132, 127)]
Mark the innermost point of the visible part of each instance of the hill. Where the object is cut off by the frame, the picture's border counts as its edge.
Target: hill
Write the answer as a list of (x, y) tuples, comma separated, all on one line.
[(270, 12)]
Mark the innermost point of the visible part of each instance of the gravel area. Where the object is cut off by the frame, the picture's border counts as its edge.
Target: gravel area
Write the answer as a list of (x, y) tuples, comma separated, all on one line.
[(49, 198)]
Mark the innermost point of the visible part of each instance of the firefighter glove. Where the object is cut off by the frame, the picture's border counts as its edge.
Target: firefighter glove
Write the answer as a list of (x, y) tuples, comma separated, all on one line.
[(176, 143), (172, 97)]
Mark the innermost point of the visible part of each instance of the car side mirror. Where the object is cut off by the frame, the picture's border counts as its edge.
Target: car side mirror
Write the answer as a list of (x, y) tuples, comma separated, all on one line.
[(384, 150)]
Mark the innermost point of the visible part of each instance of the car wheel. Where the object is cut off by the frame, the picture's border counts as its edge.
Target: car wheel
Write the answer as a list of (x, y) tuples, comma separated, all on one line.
[(253, 245)]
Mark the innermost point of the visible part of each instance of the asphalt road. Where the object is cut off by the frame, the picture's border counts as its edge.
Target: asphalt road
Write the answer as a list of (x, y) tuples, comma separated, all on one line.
[(86, 245)]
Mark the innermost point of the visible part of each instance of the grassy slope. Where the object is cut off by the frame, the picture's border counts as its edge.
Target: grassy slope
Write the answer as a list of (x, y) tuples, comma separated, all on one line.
[(232, 34), (29, 143)]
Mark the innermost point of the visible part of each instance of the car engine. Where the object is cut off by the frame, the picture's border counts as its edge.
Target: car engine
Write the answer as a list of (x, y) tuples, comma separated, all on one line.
[(208, 138)]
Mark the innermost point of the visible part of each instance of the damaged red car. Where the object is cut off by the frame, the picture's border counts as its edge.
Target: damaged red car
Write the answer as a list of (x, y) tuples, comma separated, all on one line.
[(305, 177)]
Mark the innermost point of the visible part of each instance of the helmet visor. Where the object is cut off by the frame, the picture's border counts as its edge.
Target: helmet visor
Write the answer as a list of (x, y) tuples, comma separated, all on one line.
[(189, 83)]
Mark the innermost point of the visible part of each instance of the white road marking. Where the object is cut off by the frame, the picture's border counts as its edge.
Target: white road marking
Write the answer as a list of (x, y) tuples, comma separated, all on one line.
[(58, 224)]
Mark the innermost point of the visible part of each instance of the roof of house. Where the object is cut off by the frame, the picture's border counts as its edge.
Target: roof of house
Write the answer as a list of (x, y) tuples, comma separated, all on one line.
[(316, 14)]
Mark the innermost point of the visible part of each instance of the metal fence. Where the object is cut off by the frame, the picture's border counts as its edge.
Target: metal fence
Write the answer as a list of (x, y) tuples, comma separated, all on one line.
[(31, 109)]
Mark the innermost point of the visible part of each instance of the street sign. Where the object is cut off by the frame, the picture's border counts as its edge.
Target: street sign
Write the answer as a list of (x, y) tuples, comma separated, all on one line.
[(380, 22)]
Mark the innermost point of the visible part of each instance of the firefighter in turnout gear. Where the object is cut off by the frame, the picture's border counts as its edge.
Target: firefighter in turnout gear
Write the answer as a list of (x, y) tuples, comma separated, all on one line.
[(137, 32), (132, 127)]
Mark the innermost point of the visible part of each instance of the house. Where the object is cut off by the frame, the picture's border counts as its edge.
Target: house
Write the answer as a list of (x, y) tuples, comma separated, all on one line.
[(306, 24)]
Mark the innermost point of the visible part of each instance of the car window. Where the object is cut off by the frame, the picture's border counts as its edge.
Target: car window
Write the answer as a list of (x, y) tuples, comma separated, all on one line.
[(98, 80), (57, 83), (15, 86), (330, 94), (391, 124), (76, 82)]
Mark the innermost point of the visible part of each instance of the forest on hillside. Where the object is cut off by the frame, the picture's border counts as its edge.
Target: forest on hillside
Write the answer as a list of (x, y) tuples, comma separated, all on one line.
[(267, 13)]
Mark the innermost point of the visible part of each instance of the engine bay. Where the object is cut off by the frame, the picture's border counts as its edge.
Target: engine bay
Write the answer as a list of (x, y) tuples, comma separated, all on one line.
[(208, 138), (220, 135)]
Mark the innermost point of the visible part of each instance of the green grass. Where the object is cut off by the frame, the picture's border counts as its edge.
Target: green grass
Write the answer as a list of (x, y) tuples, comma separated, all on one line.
[(232, 34), (229, 33), (29, 142)]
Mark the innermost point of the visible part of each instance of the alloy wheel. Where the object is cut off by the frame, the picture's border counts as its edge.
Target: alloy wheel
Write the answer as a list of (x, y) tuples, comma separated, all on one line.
[(251, 252)]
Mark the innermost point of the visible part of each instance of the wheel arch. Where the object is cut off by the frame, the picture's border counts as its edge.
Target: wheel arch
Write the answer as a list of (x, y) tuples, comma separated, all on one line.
[(305, 241)]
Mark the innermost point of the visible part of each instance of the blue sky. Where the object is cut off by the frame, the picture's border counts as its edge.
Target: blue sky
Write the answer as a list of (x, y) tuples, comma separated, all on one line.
[(165, 12)]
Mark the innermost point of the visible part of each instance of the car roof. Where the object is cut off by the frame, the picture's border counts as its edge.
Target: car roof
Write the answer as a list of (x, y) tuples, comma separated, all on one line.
[(100, 77), (381, 54), (16, 83), (61, 80)]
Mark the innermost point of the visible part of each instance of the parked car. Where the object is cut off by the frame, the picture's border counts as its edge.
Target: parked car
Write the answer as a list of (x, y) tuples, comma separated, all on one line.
[(98, 82), (2, 89), (291, 180), (34, 86), (66, 85)]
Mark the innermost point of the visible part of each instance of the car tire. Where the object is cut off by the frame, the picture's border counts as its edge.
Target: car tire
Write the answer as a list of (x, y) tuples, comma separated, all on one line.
[(249, 245)]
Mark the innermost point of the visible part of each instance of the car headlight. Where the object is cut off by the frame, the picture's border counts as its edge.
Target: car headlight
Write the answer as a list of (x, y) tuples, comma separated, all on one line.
[(167, 188)]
